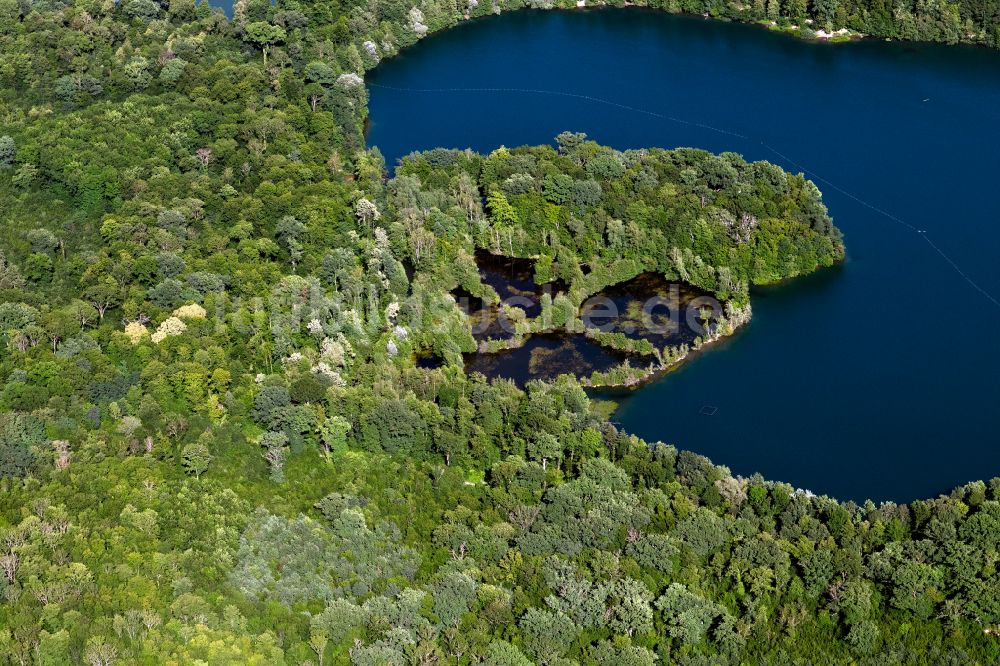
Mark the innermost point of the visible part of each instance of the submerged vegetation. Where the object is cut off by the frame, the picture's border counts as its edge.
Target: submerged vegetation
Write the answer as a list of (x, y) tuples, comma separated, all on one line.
[(216, 445)]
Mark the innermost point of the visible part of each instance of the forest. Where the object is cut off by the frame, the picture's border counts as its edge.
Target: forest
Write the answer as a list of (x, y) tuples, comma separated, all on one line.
[(216, 445)]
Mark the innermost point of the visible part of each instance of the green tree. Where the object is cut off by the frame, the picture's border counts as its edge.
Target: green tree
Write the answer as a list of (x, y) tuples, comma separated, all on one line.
[(7, 152), (289, 232), (196, 457), (10, 276), (502, 653), (687, 616), (275, 453), (500, 209), (547, 636), (453, 597), (333, 433), (264, 35)]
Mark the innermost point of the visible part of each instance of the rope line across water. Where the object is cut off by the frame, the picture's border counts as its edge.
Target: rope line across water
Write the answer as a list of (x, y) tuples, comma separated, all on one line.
[(655, 114)]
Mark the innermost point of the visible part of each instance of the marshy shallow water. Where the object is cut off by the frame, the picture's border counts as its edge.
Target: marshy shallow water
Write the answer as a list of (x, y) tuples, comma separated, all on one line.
[(546, 356), (647, 308), (513, 279)]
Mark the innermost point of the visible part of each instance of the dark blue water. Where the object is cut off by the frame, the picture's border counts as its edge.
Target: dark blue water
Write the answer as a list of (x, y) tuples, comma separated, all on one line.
[(874, 379)]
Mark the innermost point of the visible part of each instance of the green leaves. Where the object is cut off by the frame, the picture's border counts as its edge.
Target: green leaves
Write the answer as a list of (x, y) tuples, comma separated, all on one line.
[(264, 35), (196, 458), (156, 164), (686, 615)]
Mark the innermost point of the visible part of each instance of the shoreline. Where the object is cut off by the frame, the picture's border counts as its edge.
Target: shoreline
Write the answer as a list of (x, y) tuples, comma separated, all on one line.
[(657, 369), (645, 375), (653, 373), (836, 36)]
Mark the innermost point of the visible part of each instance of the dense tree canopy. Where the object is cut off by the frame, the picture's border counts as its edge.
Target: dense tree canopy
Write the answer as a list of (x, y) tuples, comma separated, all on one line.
[(216, 444)]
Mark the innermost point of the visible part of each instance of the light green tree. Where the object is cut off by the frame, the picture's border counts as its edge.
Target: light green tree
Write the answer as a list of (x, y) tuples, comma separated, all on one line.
[(196, 458), (333, 433)]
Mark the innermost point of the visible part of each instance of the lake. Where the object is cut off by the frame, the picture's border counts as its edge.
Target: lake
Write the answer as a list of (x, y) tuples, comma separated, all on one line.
[(876, 379)]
